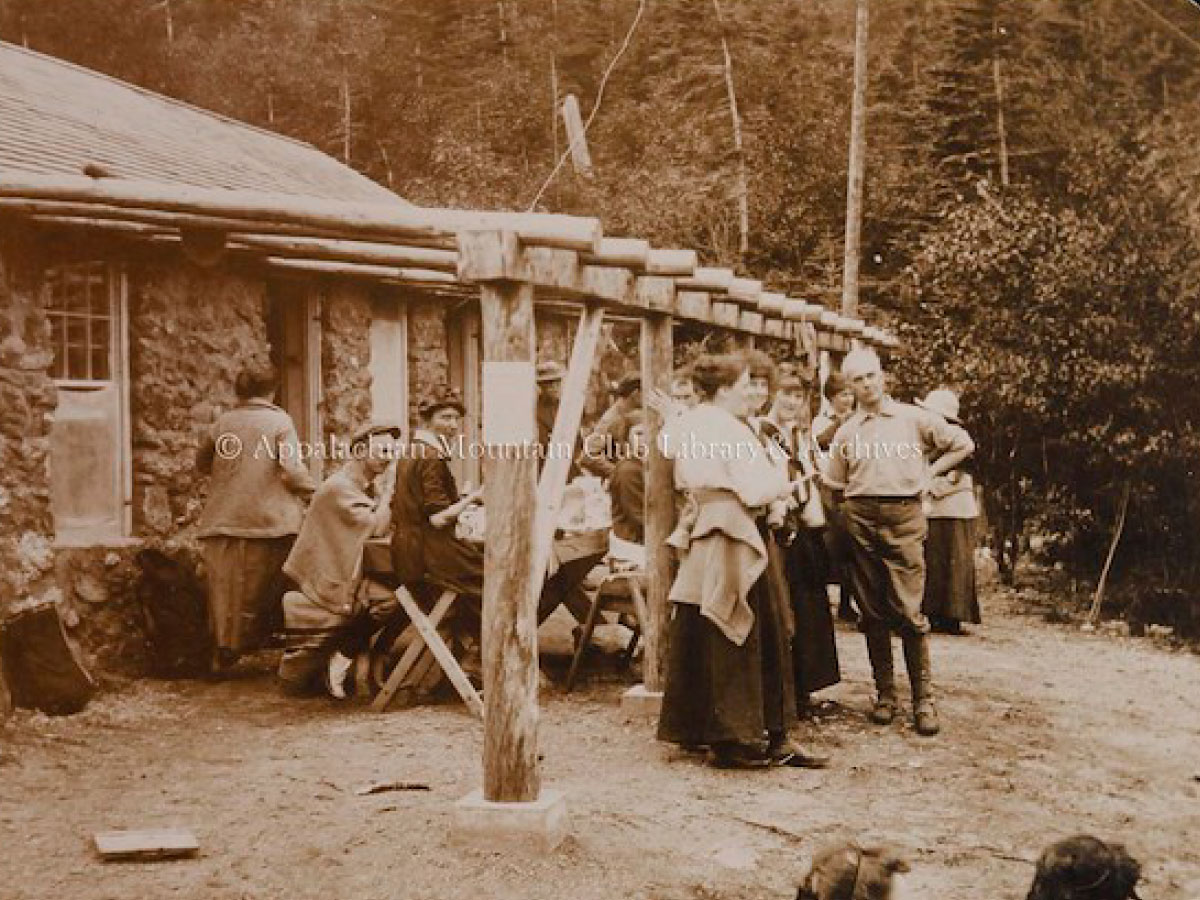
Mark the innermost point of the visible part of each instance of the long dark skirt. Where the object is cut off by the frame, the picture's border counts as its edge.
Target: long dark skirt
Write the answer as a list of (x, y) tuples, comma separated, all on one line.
[(814, 648), (717, 691), (950, 592), (245, 589)]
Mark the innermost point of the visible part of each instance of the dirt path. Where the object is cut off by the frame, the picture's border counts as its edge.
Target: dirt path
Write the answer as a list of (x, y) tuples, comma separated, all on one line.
[(1046, 732)]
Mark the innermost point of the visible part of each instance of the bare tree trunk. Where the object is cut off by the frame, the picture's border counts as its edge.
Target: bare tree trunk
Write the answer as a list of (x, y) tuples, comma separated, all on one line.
[(345, 112), (857, 166), (742, 187), (998, 80), (503, 31)]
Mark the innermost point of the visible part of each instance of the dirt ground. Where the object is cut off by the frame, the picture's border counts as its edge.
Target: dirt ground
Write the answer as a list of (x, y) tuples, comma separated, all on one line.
[(1046, 732)]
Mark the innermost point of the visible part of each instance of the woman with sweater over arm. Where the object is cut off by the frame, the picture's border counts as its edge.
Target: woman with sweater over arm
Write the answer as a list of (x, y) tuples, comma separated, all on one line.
[(729, 680)]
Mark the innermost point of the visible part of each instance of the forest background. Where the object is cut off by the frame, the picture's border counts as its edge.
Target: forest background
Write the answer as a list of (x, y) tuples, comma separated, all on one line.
[(1032, 204)]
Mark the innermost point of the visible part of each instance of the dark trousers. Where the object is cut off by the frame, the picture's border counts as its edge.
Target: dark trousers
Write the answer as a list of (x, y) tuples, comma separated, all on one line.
[(888, 562)]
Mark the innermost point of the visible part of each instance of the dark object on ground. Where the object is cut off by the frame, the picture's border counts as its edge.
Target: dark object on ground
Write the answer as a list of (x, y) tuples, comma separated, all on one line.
[(150, 844), (41, 666), (1085, 868), (386, 786), (173, 604), (848, 872)]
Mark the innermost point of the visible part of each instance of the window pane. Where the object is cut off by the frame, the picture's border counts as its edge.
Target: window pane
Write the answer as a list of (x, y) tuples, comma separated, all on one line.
[(77, 362), (100, 366), (99, 298), (77, 330), (99, 337)]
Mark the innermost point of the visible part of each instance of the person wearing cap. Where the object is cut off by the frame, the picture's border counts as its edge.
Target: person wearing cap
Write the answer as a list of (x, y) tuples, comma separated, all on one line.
[(324, 623), (837, 539), (606, 442), (256, 496), (951, 597), (882, 461), (426, 504)]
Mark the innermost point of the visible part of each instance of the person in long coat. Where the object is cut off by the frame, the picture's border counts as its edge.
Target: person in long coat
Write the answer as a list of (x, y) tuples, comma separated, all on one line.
[(255, 506), (426, 504), (728, 681), (951, 597), (806, 560)]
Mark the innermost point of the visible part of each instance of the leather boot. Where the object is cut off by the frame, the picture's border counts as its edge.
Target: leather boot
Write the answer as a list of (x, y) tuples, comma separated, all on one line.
[(879, 651), (920, 676)]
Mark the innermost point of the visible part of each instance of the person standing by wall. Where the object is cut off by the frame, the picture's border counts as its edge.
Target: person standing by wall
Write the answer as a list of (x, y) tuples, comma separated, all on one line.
[(878, 462), (255, 506), (840, 397)]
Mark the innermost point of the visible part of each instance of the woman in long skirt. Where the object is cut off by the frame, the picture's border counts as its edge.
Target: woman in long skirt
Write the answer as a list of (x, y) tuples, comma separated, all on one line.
[(729, 682), (951, 597), (254, 509)]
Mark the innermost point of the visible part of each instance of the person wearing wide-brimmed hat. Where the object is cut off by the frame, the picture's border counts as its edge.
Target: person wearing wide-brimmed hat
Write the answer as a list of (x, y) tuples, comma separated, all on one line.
[(426, 504), (950, 596), (882, 460), (606, 442), (325, 623)]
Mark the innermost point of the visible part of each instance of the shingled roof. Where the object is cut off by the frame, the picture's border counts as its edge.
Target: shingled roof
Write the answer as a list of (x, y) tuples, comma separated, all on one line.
[(58, 118)]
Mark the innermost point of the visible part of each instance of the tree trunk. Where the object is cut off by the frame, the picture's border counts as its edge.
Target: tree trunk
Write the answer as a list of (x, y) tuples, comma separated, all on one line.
[(741, 188), (858, 147), (998, 81)]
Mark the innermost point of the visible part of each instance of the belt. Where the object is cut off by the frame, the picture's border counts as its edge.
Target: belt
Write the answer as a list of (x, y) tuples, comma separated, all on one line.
[(885, 499)]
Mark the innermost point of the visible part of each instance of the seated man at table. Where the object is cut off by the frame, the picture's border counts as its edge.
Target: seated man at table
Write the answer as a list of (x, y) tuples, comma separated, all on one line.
[(323, 622)]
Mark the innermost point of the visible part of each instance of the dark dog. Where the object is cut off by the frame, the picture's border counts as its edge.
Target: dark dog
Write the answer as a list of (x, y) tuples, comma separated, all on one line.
[(1085, 868), (849, 872)]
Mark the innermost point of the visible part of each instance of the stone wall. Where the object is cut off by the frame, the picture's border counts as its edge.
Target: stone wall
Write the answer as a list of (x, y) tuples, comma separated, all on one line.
[(345, 360), (27, 401), (191, 331), (428, 356)]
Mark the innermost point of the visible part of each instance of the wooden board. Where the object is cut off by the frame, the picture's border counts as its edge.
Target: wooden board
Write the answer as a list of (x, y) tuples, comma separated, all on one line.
[(150, 843)]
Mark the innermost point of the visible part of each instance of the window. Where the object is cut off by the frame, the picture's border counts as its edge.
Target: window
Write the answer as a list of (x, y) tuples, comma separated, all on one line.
[(89, 459)]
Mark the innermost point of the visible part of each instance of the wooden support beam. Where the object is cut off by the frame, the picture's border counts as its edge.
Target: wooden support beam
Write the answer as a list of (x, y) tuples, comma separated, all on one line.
[(695, 305), (510, 590), (671, 262), (490, 256), (656, 293), (707, 279), (745, 291), (630, 253), (370, 253), (773, 327), (751, 321), (131, 228), (573, 397), (657, 353), (397, 219), (725, 314), (772, 303), (612, 285), (356, 270)]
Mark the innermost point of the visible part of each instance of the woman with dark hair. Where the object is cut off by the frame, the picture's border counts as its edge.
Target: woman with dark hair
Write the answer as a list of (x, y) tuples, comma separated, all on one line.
[(254, 510), (802, 542), (729, 681), (837, 538), (426, 505)]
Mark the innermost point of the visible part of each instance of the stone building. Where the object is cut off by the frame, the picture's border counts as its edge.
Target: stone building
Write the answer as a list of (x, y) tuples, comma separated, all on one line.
[(118, 348)]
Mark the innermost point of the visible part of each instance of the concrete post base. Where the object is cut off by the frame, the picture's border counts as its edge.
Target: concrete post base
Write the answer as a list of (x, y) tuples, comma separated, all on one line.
[(641, 705), (512, 827)]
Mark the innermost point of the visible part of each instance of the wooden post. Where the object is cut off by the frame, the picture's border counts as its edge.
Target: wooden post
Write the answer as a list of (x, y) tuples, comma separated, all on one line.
[(573, 397), (510, 591), (858, 148), (657, 352)]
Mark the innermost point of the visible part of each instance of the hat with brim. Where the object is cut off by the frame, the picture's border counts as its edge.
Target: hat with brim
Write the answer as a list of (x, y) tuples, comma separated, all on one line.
[(447, 399), (944, 402), (368, 431), (550, 371)]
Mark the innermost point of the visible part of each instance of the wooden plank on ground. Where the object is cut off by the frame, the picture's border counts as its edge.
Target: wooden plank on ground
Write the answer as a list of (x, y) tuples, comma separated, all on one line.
[(146, 844)]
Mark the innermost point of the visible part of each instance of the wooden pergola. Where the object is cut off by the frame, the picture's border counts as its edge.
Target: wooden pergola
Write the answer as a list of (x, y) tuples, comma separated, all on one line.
[(508, 261)]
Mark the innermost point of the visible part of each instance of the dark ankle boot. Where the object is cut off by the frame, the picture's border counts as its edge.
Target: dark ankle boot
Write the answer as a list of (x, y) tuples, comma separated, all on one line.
[(920, 677), (879, 651)]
